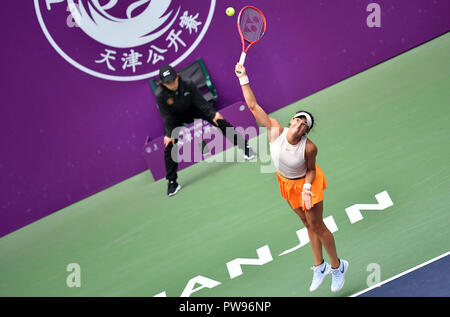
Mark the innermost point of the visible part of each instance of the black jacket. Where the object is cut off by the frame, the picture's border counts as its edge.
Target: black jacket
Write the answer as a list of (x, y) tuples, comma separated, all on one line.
[(175, 106)]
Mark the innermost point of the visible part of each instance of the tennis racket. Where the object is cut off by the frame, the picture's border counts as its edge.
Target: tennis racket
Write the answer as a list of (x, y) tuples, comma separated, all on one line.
[(251, 24)]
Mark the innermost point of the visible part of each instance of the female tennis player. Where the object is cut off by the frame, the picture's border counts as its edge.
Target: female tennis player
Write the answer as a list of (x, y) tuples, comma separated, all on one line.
[(301, 182)]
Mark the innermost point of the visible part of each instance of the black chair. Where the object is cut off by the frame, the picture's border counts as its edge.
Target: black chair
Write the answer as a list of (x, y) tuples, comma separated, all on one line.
[(197, 73)]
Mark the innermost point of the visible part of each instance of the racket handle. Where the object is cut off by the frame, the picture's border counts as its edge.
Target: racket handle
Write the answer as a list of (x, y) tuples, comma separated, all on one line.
[(242, 60)]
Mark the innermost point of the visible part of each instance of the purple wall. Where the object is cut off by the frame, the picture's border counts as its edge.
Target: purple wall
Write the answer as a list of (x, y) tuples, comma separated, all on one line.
[(66, 135)]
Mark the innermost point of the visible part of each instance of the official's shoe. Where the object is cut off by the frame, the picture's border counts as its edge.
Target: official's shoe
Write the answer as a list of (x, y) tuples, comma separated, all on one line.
[(320, 271), (338, 276), (173, 188), (249, 154)]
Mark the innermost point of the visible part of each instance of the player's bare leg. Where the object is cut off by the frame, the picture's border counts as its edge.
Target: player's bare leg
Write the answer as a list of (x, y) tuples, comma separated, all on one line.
[(314, 216), (316, 245)]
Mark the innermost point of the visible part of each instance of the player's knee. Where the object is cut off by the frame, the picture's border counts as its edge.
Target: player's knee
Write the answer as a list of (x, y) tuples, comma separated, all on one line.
[(317, 226), (305, 222), (302, 217)]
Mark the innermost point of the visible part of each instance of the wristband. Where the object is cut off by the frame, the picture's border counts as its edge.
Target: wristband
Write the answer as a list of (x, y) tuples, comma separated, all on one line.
[(244, 80), (307, 186)]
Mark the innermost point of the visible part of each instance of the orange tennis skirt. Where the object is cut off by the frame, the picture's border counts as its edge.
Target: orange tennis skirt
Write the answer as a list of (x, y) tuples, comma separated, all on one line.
[(291, 189)]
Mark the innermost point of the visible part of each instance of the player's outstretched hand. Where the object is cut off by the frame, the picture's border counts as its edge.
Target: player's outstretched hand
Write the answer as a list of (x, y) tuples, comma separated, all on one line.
[(239, 70)]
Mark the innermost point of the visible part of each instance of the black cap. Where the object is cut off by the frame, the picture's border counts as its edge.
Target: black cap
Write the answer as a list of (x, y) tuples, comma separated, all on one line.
[(167, 73)]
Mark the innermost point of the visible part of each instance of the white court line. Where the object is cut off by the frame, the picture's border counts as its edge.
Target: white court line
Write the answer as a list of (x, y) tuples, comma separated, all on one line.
[(401, 274)]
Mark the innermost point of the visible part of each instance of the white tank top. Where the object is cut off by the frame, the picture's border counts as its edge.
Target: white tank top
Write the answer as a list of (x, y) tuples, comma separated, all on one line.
[(289, 159)]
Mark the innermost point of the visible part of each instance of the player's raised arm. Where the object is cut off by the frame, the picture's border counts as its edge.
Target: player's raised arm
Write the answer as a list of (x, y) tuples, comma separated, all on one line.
[(260, 115)]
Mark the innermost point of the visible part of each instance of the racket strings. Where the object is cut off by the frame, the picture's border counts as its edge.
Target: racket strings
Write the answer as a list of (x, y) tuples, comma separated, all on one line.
[(252, 25)]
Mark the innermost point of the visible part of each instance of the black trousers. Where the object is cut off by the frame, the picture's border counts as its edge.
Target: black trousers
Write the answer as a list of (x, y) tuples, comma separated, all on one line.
[(237, 139)]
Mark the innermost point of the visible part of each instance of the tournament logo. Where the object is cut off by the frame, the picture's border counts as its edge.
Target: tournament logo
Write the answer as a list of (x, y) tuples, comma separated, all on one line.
[(124, 40)]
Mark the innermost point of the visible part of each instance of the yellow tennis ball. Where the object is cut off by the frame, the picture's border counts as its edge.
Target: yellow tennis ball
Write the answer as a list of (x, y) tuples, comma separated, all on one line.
[(230, 11)]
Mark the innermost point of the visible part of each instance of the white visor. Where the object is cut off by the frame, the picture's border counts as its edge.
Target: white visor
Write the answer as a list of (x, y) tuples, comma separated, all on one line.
[(307, 116)]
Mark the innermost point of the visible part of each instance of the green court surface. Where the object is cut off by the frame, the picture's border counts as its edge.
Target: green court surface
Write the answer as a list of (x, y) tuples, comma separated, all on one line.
[(386, 129)]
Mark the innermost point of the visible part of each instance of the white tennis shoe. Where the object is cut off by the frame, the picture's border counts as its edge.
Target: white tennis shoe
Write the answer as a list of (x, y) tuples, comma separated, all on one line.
[(320, 271), (338, 276)]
